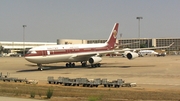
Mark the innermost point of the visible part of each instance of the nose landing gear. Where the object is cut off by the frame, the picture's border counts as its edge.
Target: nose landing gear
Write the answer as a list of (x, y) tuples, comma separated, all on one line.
[(40, 67)]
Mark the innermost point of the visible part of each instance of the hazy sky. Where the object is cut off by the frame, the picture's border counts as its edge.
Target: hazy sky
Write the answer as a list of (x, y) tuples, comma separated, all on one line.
[(49, 20)]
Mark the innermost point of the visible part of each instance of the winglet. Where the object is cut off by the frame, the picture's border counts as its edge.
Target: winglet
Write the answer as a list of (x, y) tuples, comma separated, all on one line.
[(156, 47), (112, 38), (166, 46), (171, 44)]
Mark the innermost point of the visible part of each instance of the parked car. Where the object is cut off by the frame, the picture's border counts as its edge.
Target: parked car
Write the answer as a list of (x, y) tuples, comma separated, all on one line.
[(16, 55), (161, 54)]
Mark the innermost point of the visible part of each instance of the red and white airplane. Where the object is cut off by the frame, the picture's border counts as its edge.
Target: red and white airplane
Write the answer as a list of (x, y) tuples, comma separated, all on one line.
[(76, 52)]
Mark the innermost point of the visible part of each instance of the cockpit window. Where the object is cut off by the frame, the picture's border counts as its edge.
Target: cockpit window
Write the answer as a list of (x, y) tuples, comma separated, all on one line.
[(31, 52)]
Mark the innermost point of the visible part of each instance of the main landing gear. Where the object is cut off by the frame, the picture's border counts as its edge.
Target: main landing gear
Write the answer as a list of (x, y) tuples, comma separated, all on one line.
[(84, 63), (96, 65), (70, 64)]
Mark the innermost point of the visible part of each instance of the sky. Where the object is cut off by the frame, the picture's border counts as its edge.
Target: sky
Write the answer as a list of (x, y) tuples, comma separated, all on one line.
[(49, 20)]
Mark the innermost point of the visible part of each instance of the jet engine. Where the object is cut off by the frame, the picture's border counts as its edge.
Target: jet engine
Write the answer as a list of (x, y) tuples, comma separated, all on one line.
[(94, 60), (132, 55)]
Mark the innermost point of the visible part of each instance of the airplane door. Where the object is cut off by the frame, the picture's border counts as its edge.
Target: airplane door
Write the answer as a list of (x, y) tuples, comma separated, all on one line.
[(51, 52), (44, 53), (68, 51), (48, 52)]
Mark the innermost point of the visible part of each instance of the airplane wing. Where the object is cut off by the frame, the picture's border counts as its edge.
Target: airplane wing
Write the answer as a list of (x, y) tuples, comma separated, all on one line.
[(100, 53), (120, 50), (155, 47), (89, 54), (145, 48), (86, 56)]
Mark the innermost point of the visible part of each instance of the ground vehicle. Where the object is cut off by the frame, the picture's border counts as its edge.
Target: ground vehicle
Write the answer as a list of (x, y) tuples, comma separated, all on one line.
[(91, 83), (15, 55), (31, 81), (161, 54), (8, 78), (114, 83), (85, 82), (128, 85), (50, 79)]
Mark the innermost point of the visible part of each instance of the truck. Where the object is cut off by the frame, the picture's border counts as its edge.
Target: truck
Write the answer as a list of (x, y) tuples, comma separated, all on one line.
[(3, 76), (59, 80), (91, 82), (51, 80), (20, 80), (113, 83), (14, 79), (76, 81), (67, 81), (129, 85), (73, 81), (31, 81), (161, 54), (9, 79)]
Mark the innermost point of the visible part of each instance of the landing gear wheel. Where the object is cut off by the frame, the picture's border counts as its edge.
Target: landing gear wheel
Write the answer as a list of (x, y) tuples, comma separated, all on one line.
[(70, 64), (73, 65), (67, 65), (96, 65), (40, 67), (84, 63)]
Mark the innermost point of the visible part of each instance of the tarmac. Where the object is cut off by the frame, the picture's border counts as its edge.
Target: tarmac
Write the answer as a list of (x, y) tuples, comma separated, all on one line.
[(17, 99), (147, 72)]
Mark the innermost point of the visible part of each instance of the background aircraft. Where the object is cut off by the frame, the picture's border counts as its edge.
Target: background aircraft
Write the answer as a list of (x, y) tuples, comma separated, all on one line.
[(147, 52)]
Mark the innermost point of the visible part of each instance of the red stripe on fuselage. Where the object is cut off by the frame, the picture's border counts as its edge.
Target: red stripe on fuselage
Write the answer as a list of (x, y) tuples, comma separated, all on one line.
[(67, 51)]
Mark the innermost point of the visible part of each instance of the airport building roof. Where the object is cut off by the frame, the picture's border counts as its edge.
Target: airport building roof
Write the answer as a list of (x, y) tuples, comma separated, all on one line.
[(148, 42), (21, 45)]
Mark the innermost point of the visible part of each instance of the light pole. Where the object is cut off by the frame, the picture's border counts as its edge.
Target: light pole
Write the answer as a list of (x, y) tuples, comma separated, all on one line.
[(120, 41), (24, 39), (139, 18)]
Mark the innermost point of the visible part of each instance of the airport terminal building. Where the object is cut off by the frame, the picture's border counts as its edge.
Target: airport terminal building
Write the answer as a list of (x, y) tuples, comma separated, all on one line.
[(18, 47), (8, 47), (144, 42)]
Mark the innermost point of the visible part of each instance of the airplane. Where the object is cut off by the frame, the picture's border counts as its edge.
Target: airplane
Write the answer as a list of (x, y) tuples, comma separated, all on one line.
[(77, 52), (147, 52)]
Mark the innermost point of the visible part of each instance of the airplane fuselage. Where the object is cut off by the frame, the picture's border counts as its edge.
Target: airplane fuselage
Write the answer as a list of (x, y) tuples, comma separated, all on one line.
[(64, 53), (147, 52)]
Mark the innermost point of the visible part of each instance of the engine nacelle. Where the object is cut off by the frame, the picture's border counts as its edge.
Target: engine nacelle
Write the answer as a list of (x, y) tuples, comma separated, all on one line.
[(132, 55), (94, 60)]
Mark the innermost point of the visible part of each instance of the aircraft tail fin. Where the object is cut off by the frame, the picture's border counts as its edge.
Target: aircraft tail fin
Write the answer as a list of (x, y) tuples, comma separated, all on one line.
[(112, 38)]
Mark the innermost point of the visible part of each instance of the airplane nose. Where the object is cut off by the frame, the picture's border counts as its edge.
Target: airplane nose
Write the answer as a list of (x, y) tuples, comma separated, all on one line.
[(26, 57), (30, 59)]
